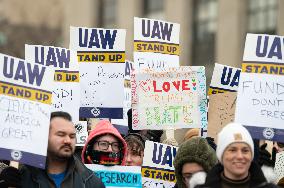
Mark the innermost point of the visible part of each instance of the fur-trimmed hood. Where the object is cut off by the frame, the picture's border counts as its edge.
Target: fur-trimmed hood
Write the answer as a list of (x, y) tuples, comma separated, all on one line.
[(260, 177)]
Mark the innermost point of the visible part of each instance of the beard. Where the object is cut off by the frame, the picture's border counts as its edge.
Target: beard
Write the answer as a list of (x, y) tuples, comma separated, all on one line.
[(65, 152)]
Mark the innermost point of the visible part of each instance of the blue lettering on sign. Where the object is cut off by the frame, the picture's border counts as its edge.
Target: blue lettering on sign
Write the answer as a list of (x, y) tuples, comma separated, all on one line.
[(228, 81), (23, 71), (159, 30), (128, 68), (119, 179), (263, 50), (60, 56), (98, 38), (163, 158)]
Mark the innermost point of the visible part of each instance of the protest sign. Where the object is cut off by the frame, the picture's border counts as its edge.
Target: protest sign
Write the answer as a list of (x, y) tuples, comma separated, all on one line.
[(156, 44), (127, 95), (25, 97), (221, 112), (263, 59), (118, 176), (101, 57), (260, 105), (225, 78), (81, 132), (165, 99), (66, 92), (264, 54), (158, 169)]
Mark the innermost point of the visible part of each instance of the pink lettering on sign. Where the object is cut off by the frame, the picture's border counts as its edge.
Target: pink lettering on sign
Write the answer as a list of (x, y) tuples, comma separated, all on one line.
[(167, 86)]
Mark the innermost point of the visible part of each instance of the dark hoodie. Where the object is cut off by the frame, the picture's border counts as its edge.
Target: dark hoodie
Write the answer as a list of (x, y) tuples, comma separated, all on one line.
[(104, 127)]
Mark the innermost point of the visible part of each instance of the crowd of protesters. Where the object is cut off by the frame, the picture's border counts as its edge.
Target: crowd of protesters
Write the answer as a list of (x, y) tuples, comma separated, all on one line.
[(199, 162)]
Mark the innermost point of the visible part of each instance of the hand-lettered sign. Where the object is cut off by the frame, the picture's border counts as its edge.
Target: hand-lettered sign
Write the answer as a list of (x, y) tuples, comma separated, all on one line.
[(66, 93), (127, 95), (25, 101), (158, 168), (165, 99), (101, 57), (224, 79), (156, 44), (260, 105), (221, 112), (118, 176), (263, 59)]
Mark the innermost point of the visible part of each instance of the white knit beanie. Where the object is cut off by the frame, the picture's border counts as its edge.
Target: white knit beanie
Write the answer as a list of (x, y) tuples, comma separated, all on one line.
[(231, 133)]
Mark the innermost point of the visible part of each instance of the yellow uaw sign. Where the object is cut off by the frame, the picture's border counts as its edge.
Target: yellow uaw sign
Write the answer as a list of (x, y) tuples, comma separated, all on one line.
[(66, 76), (156, 47), (101, 56), (158, 174), (24, 92), (265, 68)]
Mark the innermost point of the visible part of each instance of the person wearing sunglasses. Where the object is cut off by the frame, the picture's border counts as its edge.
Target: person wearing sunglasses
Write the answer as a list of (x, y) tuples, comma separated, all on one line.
[(104, 146)]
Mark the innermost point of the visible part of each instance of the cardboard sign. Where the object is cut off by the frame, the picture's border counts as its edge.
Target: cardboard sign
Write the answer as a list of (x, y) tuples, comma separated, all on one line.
[(101, 57), (260, 105), (224, 79), (156, 44), (25, 97), (118, 176), (81, 133), (221, 112), (165, 99), (158, 169), (66, 92), (264, 54)]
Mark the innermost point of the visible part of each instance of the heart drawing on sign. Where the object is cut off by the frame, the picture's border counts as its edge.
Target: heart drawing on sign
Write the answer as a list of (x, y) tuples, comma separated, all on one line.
[(144, 85)]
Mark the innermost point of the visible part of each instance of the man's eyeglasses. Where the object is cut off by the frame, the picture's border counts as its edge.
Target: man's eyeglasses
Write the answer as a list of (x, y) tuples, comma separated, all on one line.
[(104, 145)]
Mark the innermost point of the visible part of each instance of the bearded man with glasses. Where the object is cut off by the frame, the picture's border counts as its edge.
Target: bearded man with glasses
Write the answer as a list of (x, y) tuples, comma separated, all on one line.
[(104, 146)]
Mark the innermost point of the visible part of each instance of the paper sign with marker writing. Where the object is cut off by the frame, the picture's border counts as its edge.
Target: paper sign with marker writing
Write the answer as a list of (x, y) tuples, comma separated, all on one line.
[(25, 97), (165, 99), (264, 54), (66, 92), (118, 176), (224, 79), (127, 95), (101, 57), (156, 44), (158, 169), (81, 132), (260, 105)]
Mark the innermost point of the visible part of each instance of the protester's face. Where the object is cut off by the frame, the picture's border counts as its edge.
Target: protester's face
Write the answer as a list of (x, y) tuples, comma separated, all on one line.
[(62, 138), (107, 143), (134, 158), (188, 169), (237, 159)]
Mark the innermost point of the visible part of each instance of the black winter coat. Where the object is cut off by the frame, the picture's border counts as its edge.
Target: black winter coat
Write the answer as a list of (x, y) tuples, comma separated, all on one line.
[(257, 180), (77, 176)]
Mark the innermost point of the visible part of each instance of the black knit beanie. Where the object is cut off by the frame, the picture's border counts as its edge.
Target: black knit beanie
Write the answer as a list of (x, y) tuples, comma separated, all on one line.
[(194, 150)]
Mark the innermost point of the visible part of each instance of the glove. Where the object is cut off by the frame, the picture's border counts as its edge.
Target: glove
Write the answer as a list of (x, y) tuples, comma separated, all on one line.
[(265, 157), (211, 142), (10, 177)]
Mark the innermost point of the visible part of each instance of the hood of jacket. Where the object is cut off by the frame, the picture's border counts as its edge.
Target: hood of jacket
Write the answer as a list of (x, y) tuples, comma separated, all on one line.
[(104, 127), (260, 177)]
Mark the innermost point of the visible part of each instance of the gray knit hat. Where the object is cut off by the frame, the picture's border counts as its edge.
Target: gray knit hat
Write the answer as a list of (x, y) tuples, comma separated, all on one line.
[(194, 150)]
